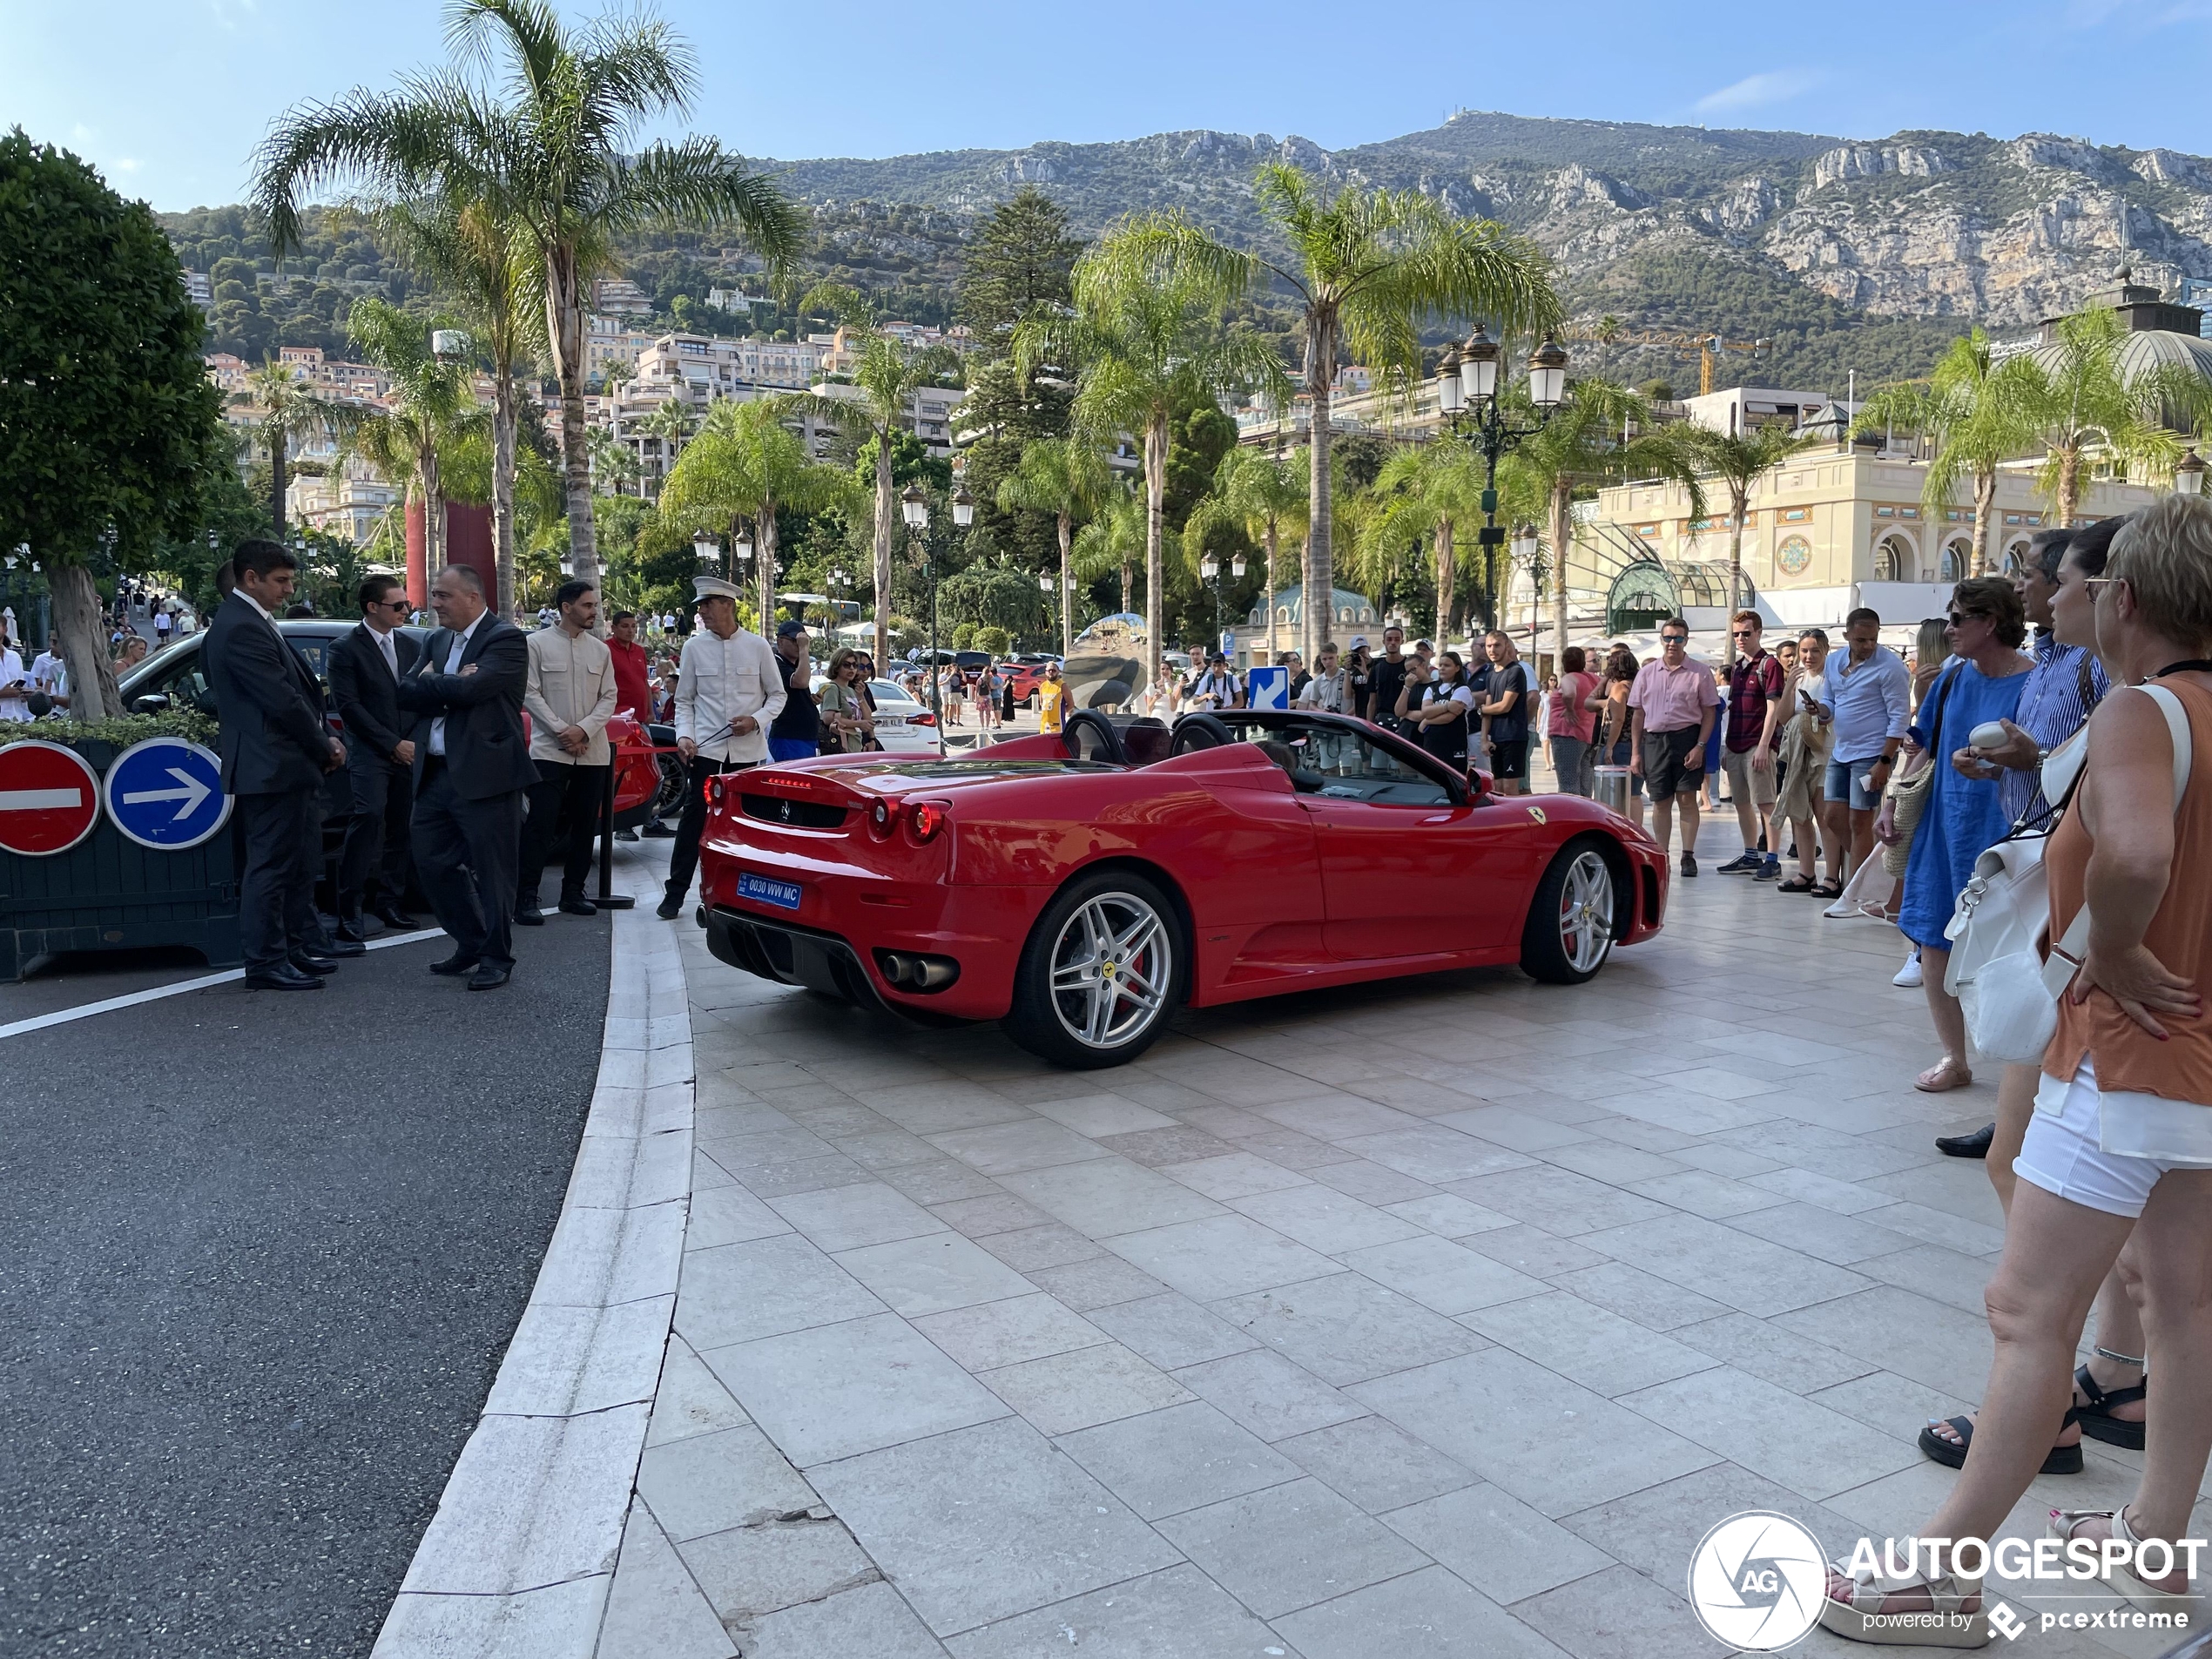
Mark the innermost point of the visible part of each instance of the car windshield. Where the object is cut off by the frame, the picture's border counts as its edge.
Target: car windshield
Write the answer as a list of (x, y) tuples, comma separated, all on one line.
[(1335, 763), (886, 693)]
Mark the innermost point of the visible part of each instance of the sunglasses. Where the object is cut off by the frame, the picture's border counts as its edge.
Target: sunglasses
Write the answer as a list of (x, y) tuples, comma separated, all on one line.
[(1960, 618), (395, 604), (1674, 639)]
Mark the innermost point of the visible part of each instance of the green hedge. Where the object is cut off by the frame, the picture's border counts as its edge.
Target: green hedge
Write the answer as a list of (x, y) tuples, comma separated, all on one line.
[(122, 731)]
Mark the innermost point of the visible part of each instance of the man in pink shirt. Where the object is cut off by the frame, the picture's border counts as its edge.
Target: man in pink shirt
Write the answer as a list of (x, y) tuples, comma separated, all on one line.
[(1672, 706)]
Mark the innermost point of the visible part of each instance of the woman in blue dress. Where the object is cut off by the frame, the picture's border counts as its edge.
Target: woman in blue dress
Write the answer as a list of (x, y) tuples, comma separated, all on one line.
[(1963, 814)]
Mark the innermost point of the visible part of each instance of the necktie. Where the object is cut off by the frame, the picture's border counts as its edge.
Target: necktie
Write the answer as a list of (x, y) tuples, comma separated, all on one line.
[(391, 653)]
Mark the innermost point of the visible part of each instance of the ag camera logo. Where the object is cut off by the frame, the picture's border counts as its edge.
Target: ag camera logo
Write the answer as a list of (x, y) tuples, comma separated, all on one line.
[(1757, 1581)]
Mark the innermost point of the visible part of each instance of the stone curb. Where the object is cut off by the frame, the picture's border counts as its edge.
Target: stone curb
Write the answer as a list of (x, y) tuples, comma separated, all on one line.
[(518, 1561)]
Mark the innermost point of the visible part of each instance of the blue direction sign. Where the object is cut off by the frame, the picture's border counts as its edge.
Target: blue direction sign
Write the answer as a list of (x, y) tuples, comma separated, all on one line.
[(1267, 688), (167, 794)]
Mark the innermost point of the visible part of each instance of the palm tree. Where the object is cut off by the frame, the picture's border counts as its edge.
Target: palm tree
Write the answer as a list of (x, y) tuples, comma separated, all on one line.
[(1114, 541), (613, 461), (1258, 494), (1978, 418), (1737, 461), (672, 424), (430, 404), (290, 411), (1433, 491), (745, 462), (2079, 398), (1367, 266), (474, 262), (1068, 478), (1149, 340), (558, 164)]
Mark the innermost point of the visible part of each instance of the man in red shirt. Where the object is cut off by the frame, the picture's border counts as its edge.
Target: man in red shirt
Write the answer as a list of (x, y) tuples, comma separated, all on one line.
[(1755, 682), (633, 694)]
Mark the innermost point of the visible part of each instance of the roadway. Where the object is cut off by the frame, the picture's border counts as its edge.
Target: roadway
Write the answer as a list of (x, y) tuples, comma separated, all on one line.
[(259, 1256)]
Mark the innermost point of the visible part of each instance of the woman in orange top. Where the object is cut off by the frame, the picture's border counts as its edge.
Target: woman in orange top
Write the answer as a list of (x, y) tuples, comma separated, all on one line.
[(2120, 1143)]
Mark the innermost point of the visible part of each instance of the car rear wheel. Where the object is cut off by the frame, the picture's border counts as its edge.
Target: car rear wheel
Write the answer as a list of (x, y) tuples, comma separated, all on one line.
[(1101, 974), (1569, 931)]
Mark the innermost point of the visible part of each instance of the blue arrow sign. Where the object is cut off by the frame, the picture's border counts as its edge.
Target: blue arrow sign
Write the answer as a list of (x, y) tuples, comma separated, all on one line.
[(167, 794), (1267, 688)]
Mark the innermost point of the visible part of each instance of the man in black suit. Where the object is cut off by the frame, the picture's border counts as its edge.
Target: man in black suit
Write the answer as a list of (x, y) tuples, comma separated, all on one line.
[(366, 668), (471, 766), (276, 748)]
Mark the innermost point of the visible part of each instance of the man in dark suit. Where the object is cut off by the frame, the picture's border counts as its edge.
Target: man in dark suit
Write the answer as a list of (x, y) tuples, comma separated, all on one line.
[(276, 748), (366, 668), (471, 766)]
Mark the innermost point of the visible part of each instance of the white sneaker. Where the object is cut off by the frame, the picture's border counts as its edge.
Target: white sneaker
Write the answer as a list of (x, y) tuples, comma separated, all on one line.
[(1840, 912), (1909, 975)]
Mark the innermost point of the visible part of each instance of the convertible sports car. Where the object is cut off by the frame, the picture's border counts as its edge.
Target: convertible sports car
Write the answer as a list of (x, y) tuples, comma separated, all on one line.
[(1081, 886)]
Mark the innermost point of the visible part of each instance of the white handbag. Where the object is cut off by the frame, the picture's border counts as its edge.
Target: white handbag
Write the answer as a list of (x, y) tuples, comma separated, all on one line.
[(2007, 990)]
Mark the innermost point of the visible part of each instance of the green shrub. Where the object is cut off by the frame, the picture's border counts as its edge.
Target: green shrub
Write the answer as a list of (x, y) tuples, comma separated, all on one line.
[(122, 731)]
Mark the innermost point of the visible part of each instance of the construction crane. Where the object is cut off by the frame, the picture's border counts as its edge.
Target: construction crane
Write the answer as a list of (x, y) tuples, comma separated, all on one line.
[(1705, 347)]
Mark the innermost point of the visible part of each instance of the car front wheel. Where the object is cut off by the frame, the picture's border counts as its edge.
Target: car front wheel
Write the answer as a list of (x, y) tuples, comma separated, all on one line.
[(1569, 931), (1102, 972)]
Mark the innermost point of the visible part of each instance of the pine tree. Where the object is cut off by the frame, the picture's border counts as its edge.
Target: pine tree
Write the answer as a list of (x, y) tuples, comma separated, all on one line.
[(1017, 265)]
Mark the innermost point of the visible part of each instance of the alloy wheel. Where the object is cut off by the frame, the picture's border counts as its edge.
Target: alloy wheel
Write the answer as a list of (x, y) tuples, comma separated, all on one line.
[(1113, 965), (1585, 912)]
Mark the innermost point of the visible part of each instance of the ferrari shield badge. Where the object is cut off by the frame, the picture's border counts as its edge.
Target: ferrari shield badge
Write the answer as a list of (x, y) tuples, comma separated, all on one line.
[(1537, 813)]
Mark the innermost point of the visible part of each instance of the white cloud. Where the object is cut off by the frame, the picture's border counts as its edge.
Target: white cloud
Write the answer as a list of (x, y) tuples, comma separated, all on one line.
[(1770, 86)]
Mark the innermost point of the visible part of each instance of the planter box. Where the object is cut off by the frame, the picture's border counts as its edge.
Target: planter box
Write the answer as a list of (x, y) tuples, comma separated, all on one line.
[(108, 893)]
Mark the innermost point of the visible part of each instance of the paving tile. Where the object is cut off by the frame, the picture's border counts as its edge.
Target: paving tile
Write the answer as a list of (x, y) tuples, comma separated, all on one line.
[(752, 1571), (1940, 1227), (729, 1215), (1657, 1530), (1766, 1350), (872, 1619), (1293, 1150), (1179, 1143), (1109, 1195), (1082, 1387), (966, 1109), (939, 1181), (1103, 1281), (1051, 1245), (1602, 1351), (655, 1608), (1043, 1531), (1532, 1250), (1179, 1613), (1611, 1162), (1434, 1153), (1427, 1615), (1839, 1240), (843, 1389), (1552, 1444), (762, 1288), (1940, 1275), (1809, 1186), (1496, 1542), (1702, 1193), (1346, 1329), (1172, 1331), (1617, 1613), (1895, 1405), (1100, 1114), (1001, 1212), (1631, 1292), (1008, 1149), (1933, 1344), (1559, 1201), (1773, 1431), (1518, 1131), (1747, 1274), (1442, 1276), (1369, 1182), (992, 1334), (887, 1148), (846, 1218), (1221, 1255), (933, 1273), (1449, 1216), (1233, 1173), (1162, 1462), (1268, 1394), (1376, 1463), (713, 1482), (691, 1399), (1288, 1547)]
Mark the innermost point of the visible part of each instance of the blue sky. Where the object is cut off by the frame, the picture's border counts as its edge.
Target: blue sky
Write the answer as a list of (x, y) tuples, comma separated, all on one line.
[(169, 97)]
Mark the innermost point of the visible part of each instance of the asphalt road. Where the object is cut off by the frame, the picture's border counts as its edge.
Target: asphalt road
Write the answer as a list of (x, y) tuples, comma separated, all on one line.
[(259, 1256)]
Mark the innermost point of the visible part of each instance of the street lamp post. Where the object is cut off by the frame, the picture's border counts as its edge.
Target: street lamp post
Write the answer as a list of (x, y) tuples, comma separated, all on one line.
[(1046, 585), (1466, 396), (2188, 475)]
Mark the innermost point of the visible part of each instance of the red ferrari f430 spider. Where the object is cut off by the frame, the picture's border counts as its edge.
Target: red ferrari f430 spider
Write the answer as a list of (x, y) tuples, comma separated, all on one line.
[(1081, 886)]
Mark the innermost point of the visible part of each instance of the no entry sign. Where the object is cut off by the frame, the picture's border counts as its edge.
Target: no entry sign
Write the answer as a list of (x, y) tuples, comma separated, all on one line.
[(49, 798)]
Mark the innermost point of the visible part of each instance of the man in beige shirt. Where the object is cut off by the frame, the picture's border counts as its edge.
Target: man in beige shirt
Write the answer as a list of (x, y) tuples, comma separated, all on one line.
[(569, 696)]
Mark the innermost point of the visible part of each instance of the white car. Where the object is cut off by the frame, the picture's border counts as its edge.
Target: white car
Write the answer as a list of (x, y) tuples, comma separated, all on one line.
[(902, 725)]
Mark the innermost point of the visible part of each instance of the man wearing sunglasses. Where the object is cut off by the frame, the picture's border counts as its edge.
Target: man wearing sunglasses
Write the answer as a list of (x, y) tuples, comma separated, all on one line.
[(1755, 682), (366, 667), (1672, 706)]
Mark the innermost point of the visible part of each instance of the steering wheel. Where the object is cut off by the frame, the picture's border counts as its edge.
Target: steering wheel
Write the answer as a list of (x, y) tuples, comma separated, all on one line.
[(1089, 735), (1198, 730)]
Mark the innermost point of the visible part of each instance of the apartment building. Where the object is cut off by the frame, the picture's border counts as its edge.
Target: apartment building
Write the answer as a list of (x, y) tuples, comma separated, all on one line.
[(619, 297)]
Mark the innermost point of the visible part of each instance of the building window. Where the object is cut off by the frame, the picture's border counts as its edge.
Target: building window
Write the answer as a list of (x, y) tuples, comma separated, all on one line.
[(1885, 563), (1954, 566)]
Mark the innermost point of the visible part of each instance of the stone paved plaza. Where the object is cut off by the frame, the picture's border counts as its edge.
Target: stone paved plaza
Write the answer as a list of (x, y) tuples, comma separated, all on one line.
[(1414, 1320)]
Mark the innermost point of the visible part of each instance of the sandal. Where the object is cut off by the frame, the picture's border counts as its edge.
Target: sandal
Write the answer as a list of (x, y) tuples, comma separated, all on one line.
[(2064, 1459), (1948, 1073), (2096, 1418), (1796, 884), (1948, 1621), (2124, 1579), (1826, 890)]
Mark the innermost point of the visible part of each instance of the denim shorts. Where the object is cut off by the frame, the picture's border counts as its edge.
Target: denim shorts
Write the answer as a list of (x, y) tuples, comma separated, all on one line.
[(1842, 784)]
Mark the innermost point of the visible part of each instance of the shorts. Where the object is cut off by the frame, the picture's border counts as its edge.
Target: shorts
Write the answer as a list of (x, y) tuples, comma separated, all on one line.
[(1744, 779), (1667, 771), (1842, 784), (2064, 1153), (791, 749), (1508, 757)]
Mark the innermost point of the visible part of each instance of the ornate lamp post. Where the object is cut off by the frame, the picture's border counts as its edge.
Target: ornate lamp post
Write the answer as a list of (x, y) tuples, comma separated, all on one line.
[(1466, 396), (2188, 475)]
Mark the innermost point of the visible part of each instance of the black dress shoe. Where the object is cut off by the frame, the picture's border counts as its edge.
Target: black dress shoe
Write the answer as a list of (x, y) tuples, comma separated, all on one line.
[(454, 966), (529, 916), (392, 916), (310, 961), (578, 907), (283, 977), (626, 835), (670, 907), (657, 830), (346, 944), (1975, 1145), (488, 976)]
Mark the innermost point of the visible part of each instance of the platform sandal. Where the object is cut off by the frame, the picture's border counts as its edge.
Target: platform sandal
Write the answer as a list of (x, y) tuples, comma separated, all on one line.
[(2064, 1459), (2096, 1419), (1867, 1615)]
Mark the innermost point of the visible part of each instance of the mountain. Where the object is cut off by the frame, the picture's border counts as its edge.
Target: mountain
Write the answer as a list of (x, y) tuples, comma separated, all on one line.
[(1847, 254)]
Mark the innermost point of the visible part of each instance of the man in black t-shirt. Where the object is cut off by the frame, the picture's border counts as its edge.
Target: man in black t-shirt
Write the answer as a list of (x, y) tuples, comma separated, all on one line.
[(1385, 675), (796, 732), (1504, 702)]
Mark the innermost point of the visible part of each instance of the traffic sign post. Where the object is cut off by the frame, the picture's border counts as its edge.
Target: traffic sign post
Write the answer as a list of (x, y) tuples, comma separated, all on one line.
[(167, 794), (49, 798)]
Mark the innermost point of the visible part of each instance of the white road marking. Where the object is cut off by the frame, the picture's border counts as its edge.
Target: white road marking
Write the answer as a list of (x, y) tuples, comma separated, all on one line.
[(108, 1005), (39, 801)]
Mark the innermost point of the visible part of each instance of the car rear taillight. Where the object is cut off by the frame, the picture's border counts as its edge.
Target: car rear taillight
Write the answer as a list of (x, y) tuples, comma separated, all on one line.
[(713, 789), (924, 820), (880, 818), (923, 718)]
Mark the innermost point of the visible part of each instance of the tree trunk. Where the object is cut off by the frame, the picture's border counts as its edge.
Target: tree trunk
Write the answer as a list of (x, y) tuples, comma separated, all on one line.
[(564, 332), (1736, 550), (1562, 543), (886, 506), (1985, 521), (1067, 586), (1270, 589), (79, 624), (502, 486), (1129, 588), (1155, 487), (1320, 572), (764, 550), (277, 482), (2069, 486), (1447, 579), (434, 516)]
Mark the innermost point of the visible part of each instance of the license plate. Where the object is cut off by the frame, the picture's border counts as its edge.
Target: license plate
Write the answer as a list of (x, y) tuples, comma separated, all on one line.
[(891, 719), (765, 890)]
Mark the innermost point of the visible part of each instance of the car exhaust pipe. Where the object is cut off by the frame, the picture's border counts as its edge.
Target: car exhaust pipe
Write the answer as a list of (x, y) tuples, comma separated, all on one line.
[(910, 972), (896, 966), (933, 974)]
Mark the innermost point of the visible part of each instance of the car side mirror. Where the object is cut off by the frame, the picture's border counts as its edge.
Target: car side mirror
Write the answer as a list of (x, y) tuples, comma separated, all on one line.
[(151, 703)]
